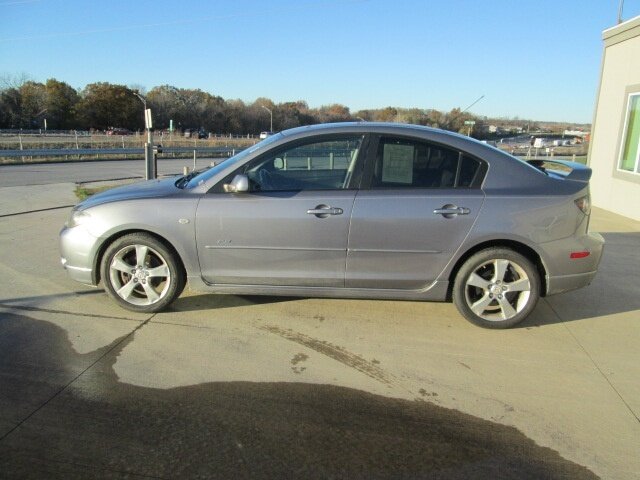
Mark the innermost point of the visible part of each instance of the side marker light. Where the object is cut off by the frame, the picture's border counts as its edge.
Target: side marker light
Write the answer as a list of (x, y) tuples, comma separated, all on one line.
[(579, 254)]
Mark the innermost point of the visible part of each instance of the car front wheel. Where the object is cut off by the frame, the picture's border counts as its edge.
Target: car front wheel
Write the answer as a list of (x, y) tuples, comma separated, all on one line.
[(496, 288), (141, 273)]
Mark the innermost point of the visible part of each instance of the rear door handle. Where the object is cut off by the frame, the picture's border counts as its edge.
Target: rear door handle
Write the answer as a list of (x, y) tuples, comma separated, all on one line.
[(323, 211), (450, 211)]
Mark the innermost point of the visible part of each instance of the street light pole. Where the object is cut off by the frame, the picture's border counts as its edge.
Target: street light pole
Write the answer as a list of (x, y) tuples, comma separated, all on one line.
[(144, 102), (271, 115), (150, 165)]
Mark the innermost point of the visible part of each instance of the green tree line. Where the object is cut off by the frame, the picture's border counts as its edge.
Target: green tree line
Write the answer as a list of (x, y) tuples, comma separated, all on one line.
[(25, 104)]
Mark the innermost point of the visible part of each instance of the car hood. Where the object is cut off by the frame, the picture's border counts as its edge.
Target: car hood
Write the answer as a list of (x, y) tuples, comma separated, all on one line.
[(148, 189)]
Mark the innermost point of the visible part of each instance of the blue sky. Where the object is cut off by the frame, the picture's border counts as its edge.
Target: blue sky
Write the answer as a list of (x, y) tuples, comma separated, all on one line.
[(532, 59)]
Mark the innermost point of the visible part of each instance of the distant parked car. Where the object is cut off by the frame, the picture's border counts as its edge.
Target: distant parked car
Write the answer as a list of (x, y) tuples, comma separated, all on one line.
[(118, 131), (199, 133), (361, 210), (264, 135)]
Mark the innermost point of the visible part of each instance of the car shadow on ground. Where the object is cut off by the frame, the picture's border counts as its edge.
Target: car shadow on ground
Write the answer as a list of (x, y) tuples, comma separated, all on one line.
[(61, 424), (210, 301)]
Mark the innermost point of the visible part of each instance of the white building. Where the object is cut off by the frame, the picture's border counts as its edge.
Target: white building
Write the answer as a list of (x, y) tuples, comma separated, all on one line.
[(614, 152)]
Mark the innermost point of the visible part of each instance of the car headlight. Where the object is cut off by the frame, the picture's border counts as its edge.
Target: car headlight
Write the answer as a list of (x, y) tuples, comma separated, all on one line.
[(77, 217)]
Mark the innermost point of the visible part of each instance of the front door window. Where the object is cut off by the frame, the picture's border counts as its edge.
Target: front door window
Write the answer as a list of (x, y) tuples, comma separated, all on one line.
[(321, 165)]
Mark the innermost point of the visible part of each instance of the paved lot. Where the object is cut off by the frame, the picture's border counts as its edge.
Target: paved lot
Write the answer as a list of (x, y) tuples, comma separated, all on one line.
[(88, 171), (260, 387)]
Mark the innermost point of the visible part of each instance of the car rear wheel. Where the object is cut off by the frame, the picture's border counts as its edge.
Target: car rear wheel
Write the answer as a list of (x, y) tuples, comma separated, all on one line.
[(496, 288), (141, 273)]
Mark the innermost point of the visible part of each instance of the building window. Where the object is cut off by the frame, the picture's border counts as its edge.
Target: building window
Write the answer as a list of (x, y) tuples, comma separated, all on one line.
[(630, 153)]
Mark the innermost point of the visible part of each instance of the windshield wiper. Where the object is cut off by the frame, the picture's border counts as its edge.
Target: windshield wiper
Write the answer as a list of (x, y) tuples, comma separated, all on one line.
[(183, 181)]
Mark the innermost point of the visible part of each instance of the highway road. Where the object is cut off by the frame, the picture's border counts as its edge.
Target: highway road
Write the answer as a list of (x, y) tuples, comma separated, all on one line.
[(88, 171)]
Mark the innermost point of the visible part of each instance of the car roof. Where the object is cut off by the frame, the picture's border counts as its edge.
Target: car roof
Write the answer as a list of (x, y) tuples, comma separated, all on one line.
[(379, 127), (447, 137)]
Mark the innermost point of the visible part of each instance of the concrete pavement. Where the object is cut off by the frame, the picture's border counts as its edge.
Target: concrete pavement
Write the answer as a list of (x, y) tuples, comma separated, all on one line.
[(25, 199), (224, 386)]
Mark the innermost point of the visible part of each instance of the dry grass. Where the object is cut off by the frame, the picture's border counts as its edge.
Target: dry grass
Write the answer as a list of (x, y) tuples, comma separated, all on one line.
[(84, 192), (13, 142)]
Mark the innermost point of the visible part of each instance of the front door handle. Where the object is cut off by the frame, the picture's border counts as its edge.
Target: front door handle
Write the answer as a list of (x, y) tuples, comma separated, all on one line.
[(323, 211), (450, 211)]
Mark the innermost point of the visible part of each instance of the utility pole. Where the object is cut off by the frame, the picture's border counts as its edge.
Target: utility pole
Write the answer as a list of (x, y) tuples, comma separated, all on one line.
[(271, 114)]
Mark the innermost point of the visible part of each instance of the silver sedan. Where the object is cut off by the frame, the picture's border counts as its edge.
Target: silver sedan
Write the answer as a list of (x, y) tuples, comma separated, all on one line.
[(349, 210)]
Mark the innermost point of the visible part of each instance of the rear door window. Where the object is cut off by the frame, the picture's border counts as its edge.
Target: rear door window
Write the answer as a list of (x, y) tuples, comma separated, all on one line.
[(403, 163)]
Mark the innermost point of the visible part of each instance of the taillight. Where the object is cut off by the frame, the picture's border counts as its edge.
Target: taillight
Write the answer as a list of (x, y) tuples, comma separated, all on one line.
[(584, 204)]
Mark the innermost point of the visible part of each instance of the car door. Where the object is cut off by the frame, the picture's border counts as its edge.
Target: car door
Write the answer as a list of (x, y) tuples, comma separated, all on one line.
[(291, 227), (421, 203)]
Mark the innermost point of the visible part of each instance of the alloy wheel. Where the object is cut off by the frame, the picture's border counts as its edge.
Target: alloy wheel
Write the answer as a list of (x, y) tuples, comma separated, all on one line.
[(139, 275), (497, 290)]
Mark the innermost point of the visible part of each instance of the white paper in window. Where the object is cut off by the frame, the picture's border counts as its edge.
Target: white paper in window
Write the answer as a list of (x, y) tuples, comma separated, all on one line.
[(397, 163)]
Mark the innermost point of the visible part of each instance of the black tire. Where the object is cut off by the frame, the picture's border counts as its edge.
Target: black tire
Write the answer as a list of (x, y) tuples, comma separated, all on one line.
[(496, 288), (147, 284)]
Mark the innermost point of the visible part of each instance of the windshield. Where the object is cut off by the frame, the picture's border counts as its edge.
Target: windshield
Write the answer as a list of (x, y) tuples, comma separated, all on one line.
[(211, 172)]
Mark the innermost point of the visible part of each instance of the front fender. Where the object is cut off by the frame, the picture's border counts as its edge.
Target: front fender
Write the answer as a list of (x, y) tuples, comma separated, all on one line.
[(171, 220)]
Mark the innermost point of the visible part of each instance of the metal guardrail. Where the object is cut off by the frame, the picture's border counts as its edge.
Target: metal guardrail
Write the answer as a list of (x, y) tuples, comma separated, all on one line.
[(40, 133), (60, 152)]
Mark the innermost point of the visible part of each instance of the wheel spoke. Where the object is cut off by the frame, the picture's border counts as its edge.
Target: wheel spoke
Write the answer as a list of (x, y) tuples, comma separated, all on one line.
[(479, 306), (152, 295), (161, 271), (121, 265), (475, 280), (507, 310), (500, 269), (127, 288), (141, 254), (521, 285)]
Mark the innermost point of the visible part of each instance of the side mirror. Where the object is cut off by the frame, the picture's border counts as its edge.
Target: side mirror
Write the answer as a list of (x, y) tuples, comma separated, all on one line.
[(240, 183)]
